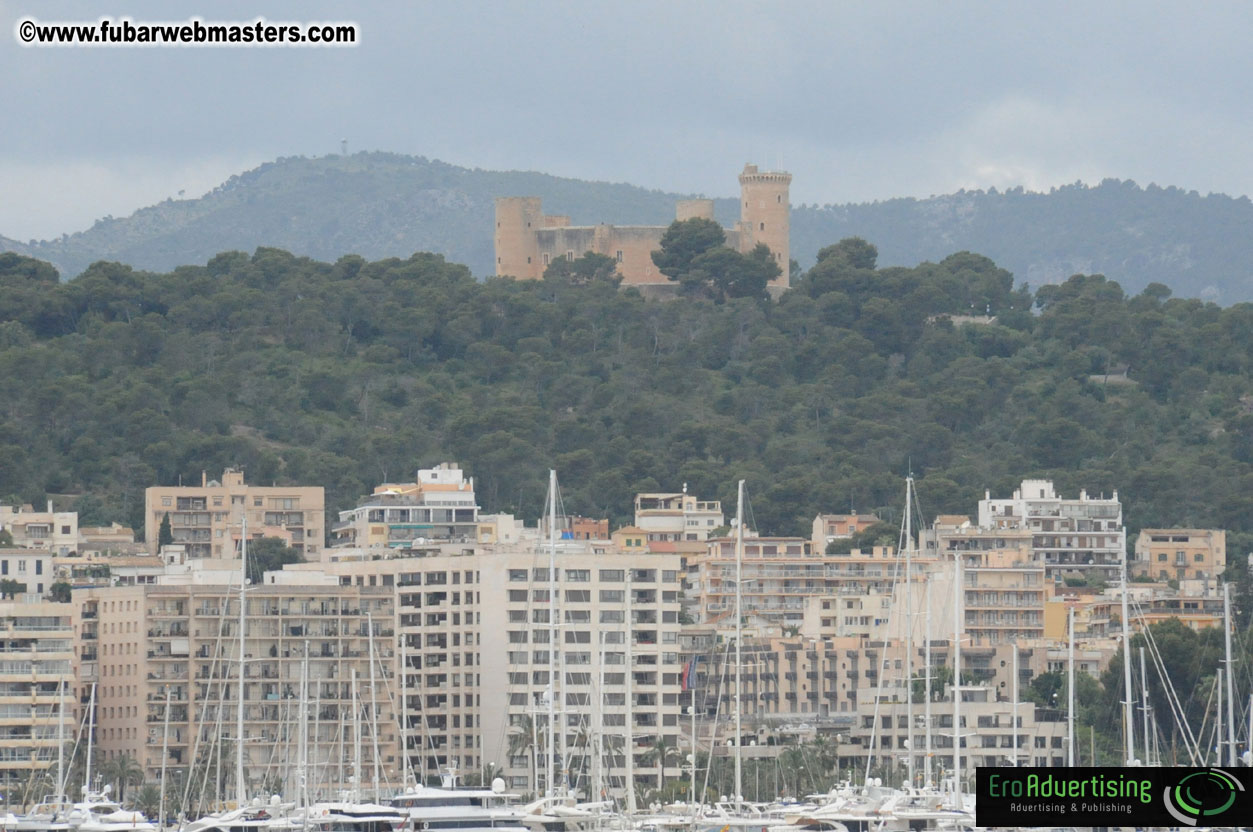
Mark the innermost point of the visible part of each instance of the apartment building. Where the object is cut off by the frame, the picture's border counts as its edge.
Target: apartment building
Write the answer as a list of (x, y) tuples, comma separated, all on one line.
[(165, 661), (51, 531), (438, 506), (1071, 537), (36, 696), (828, 528), (31, 570), (207, 519), (882, 734), (676, 517), (1180, 554)]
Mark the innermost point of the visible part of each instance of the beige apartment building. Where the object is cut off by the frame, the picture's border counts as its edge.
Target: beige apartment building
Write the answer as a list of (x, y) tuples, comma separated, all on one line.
[(1071, 537), (477, 642), (207, 518), (828, 528), (677, 517), (439, 506), (36, 695), (32, 570), (168, 655), (51, 531), (1180, 554)]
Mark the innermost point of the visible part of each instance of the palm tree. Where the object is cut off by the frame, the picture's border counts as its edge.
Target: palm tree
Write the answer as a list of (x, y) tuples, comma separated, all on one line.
[(122, 771), (522, 741), (661, 752), (148, 800)]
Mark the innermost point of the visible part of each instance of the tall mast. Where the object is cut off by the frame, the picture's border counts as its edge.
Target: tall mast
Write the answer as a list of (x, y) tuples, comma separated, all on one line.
[(1218, 723), (630, 700), (374, 714), (926, 685), (739, 638), (91, 730), (1070, 688), (1128, 719), (551, 773), (302, 739), (1231, 694), (1144, 706), (241, 787), (165, 745), (1013, 720), (909, 630), (356, 740), (61, 742), (958, 618), (598, 722), (404, 709)]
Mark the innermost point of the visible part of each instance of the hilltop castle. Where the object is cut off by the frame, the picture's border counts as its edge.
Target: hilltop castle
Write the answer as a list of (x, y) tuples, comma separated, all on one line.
[(527, 239)]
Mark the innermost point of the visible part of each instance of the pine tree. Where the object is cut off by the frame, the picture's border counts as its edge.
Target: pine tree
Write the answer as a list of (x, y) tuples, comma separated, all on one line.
[(165, 535)]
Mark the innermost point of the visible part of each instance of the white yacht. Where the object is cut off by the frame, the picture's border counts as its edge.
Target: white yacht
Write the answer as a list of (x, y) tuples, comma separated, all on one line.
[(467, 809)]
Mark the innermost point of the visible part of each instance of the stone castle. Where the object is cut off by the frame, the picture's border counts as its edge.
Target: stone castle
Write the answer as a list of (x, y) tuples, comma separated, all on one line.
[(527, 239)]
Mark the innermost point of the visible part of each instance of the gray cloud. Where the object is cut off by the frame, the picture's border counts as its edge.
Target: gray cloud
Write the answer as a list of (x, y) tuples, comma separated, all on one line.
[(860, 101)]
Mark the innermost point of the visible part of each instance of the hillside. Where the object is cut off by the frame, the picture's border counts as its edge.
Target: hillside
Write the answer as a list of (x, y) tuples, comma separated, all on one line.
[(351, 373), (386, 205)]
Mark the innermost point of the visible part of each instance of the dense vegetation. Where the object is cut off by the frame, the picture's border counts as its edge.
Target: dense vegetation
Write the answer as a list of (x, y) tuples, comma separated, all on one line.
[(351, 373), (385, 205)]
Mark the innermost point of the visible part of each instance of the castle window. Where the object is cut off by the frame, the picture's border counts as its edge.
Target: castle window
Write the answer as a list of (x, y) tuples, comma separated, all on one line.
[(619, 255), (779, 199), (497, 261), (545, 259), (763, 226), (570, 256), (528, 261)]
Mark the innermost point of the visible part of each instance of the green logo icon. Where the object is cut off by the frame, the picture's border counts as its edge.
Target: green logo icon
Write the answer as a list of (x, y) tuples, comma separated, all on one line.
[(1202, 795)]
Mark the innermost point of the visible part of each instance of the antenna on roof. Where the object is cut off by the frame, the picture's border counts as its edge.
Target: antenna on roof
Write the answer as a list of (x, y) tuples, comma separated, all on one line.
[(343, 147)]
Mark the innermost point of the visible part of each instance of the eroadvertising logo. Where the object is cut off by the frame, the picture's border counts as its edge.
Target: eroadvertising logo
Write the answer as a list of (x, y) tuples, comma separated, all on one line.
[(1148, 796)]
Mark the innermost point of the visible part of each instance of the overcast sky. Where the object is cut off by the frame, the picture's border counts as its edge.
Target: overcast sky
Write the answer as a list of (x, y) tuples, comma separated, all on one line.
[(861, 101)]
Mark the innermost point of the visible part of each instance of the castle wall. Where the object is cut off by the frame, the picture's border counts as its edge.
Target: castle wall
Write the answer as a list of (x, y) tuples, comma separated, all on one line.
[(527, 240)]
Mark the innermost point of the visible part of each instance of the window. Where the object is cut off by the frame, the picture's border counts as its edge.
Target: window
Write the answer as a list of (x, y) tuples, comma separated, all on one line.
[(569, 256), (545, 259), (578, 596), (517, 596), (578, 575), (165, 501), (612, 616), (612, 596), (611, 575), (516, 575), (763, 226), (619, 256)]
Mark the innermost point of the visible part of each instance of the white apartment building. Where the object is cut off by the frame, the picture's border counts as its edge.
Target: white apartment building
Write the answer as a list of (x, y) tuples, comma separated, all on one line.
[(52, 531), (36, 688), (31, 569), (438, 506), (674, 517), (1083, 536)]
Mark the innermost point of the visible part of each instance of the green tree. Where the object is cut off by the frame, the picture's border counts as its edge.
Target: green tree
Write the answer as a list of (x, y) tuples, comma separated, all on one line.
[(60, 591), (10, 588), (269, 554), (122, 771), (683, 242), (165, 534), (661, 752)]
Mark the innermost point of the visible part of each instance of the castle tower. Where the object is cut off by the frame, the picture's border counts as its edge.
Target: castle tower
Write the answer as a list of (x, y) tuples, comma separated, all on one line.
[(765, 216), (517, 247), (690, 209)]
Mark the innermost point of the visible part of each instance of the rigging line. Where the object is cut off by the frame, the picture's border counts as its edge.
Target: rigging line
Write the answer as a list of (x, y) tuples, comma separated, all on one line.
[(713, 734), (1177, 711)]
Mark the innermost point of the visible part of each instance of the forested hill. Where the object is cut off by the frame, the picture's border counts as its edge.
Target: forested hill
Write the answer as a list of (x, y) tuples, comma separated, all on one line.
[(352, 373), (385, 205)]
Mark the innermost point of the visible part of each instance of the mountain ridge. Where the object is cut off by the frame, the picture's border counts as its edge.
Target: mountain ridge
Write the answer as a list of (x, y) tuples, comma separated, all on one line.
[(379, 205)]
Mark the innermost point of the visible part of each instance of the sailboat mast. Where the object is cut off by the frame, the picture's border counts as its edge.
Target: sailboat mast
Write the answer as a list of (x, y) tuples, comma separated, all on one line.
[(241, 787), (958, 616), (165, 745), (1070, 688), (91, 730), (404, 709), (356, 740), (1231, 694), (926, 685), (61, 742), (1144, 706), (739, 638), (630, 699), (909, 630), (374, 714), (551, 773), (1128, 719), (302, 739), (1013, 719)]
